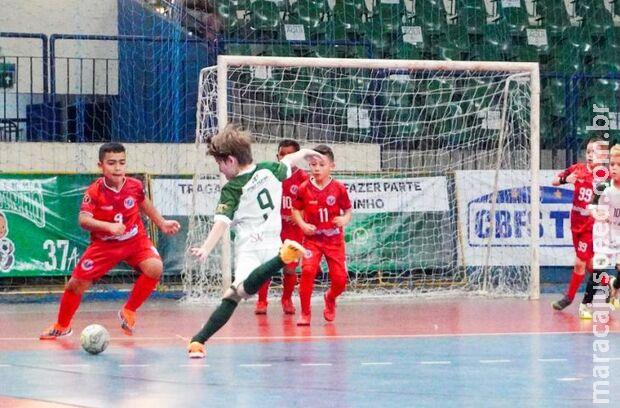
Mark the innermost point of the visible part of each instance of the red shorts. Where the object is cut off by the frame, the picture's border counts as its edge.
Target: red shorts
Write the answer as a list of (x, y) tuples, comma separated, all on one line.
[(334, 255), (290, 231), (582, 242), (100, 257)]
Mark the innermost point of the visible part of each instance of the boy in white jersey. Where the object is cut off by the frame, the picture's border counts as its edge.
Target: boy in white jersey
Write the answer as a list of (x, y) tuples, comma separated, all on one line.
[(250, 204), (607, 198)]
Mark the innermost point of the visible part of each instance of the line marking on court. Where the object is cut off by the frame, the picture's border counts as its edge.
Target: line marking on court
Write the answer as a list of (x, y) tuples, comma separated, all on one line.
[(73, 365), (316, 365), (493, 361), (567, 379), (435, 362), (5, 365), (614, 358), (254, 365), (133, 365), (178, 336), (551, 360), (195, 365), (377, 363)]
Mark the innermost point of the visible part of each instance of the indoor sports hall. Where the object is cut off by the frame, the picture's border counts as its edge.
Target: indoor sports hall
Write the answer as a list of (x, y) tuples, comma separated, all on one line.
[(464, 199)]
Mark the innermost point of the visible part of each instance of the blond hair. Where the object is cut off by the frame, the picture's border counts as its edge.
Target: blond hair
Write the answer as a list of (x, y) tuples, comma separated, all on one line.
[(615, 150), (232, 141)]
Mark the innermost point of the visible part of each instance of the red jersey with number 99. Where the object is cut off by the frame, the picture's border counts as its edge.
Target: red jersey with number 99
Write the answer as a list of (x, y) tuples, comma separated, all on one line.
[(320, 206), (106, 204), (580, 217)]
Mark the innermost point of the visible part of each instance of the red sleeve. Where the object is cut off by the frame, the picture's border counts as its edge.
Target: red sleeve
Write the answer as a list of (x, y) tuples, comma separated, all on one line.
[(141, 194), (344, 200), (89, 201), (568, 171), (298, 201)]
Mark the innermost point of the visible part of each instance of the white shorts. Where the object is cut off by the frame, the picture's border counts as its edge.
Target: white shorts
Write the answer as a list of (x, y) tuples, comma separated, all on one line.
[(247, 261)]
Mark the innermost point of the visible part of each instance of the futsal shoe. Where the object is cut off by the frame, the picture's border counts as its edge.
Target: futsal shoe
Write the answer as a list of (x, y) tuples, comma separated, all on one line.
[(288, 307), (261, 308), (304, 320), (128, 320), (291, 251), (196, 349), (55, 331), (561, 304), (329, 313), (585, 312), (614, 294)]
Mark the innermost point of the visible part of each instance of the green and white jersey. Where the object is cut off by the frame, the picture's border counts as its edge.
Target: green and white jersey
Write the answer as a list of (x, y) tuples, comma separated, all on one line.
[(607, 197), (250, 203)]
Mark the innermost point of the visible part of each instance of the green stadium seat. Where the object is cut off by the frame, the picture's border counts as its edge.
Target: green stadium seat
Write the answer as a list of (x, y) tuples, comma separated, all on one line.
[(553, 96), (454, 45), (388, 16), (380, 40), (278, 50), (404, 49), (431, 16), (596, 19), (553, 17), (348, 20), (471, 14), (565, 60), (265, 17), (512, 14), (312, 15)]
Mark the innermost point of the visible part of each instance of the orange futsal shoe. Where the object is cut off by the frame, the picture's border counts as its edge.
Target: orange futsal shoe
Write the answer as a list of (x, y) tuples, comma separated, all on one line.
[(288, 307), (291, 251), (196, 350), (128, 320), (55, 331), (261, 308), (329, 313)]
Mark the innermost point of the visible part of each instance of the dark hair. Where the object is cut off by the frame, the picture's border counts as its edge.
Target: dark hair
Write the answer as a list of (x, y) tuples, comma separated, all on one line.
[(289, 143), (325, 151), (110, 148)]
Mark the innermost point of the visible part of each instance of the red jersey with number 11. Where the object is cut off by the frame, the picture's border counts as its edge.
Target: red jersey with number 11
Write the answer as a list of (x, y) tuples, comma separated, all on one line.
[(320, 206), (106, 204)]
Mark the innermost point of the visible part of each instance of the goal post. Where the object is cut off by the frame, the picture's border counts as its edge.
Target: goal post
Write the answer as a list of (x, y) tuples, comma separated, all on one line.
[(441, 160)]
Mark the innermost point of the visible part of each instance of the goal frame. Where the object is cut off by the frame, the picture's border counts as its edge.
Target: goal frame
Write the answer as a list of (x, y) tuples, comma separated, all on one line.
[(226, 61)]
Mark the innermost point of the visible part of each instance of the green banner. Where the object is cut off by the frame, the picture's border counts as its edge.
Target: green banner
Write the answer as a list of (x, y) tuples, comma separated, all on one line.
[(39, 232)]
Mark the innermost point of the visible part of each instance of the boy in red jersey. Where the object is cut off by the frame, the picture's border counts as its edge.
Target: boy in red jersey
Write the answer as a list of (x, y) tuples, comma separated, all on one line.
[(111, 211), (581, 220), (326, 210), (290, 230)]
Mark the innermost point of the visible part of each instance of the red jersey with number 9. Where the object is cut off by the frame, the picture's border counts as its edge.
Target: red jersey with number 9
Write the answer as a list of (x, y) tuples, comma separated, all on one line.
[(106, 204), (320, 206), (580, 217)]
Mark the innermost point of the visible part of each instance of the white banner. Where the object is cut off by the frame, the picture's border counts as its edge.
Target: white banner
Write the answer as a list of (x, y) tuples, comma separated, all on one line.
[(411, 194), (175, 196), (511, 235), (368, 195)]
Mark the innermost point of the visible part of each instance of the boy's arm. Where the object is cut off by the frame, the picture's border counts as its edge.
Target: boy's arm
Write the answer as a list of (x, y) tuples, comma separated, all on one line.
[(295, 159), (90, 223), (308, 229), (217, 231), (563, 177), (344, 219), (168, 227)]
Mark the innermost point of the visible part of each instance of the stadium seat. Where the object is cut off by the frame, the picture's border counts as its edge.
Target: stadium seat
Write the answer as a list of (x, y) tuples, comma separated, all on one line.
[(553, 96), (512, 14), (496, 45), (388, 16), (312, 14), (595, 18), (565, 59), (471, 14), (553, 17), (454, 45), (431, 16), (380, 40), (265, 18), (348, 19)]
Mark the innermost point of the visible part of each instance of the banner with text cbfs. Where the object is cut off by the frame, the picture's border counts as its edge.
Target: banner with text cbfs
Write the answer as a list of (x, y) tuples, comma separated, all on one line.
[(511, 233), (39, 233)]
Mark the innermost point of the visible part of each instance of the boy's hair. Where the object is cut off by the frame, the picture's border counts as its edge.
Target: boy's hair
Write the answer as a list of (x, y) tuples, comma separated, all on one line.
[(325, 151), (599, 141), (289, 143), (232, 141), (110, 148), (615, 150)]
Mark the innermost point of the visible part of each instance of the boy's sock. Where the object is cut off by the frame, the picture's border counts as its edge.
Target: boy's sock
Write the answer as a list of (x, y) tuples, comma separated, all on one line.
[(263, 291), (142, 289), (574, 284), (216, 321), (69, 303), (259, 276)]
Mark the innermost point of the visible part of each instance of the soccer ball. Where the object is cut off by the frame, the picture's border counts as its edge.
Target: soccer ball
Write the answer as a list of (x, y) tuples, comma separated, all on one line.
[(94, 338)]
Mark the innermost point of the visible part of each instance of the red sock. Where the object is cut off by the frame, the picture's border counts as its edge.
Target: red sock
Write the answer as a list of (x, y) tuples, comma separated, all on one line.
[(574, 284), (69, 304), (143, 287), (306, 285), (288, 285), (262, 292)]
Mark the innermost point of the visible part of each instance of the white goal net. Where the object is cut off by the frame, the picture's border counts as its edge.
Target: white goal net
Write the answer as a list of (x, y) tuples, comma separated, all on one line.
[(440, 159)]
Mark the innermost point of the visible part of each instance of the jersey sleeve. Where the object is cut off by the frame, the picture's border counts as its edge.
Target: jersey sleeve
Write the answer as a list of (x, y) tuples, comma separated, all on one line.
[(228, 204), (140, 191), (344, 200), (89, 200), (282, 171), (598, 192), (298, 201), (568, 171)]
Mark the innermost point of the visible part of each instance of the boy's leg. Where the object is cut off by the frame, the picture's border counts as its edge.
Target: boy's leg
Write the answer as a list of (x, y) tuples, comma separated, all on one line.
[(145, 258), (582, 243), (243, 290), (335, 255), (261, 303), (289, 280), (96, 262), (309, 269)]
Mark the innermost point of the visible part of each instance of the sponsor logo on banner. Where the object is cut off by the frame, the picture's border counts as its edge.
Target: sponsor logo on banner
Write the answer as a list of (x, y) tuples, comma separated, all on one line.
[(23, 198)]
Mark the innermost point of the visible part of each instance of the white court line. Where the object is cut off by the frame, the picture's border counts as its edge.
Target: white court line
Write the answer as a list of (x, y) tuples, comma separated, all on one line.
[(493, 361), (5, 365), (73, 365), (614, 358), (435, 362), (378, 363), (567, 379), (254, 365), (133, 365), (551, 360), (316, 365)]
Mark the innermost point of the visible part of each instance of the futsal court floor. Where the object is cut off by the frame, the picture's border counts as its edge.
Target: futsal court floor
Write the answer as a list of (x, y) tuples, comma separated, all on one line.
[(453, 352)]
